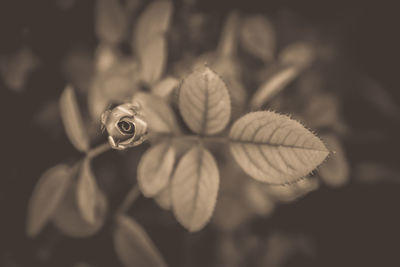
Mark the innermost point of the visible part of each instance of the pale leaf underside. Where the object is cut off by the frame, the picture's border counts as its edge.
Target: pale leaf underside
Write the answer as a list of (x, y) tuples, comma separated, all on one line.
[(134, 247), (204, 102), (195, 188), (155, 169), (275, 149)]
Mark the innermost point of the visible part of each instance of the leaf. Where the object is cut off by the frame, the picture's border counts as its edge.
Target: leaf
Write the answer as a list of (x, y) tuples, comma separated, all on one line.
[(227, 42), (97, 102), (153, 22), (72, 120), (258, 200), (45, 197), (273, 148), (300, 54), (163, 199), (322, 110), (111, 21), (158, 113), (204, 102), (336, 170), (133, 246), (195, 188), (120, 82), (258, 38), (291, 192), (275, 83), (86, 192), (153, 59), (68, 219), (149, 41), (105, 57), (155, 168), (165, 87), (115, 84)]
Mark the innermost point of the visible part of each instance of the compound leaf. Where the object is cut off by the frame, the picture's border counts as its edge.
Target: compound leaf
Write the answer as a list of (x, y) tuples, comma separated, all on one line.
[(45, 197), (155, 168), (72, 120), (195, 188), (133, 245), (204, 102), (275, 149)]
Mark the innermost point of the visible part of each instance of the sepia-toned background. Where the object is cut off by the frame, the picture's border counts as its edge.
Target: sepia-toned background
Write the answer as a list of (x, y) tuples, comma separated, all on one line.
[(350, 95)]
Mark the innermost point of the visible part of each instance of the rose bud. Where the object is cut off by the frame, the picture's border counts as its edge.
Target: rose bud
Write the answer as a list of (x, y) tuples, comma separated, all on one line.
[(125, 125)]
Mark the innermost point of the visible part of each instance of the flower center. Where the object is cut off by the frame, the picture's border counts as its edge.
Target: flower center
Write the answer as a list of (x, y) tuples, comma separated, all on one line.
[(126, 127)]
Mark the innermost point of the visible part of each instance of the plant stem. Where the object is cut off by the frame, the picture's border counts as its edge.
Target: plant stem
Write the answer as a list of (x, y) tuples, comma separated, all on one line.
[(197, 138), (131, 197), (98, 150)]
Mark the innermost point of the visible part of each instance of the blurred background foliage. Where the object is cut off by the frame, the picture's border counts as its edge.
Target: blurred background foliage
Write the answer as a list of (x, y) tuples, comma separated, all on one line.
[(349, 96)]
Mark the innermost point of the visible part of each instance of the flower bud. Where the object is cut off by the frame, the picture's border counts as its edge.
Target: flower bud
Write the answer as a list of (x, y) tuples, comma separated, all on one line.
[(125, 125)]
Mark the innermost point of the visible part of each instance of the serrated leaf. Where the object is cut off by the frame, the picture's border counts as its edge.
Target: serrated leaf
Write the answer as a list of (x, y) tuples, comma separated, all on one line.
[(163, 198), (195, 188), (46, 195), (274, 83), (86, 193), (72, 120), (275, 149), (149, 39), (204, 102), (165, 87), (111, 21), (68, 219), (155, 168), (158, 113), (336, 170), (133, 246), (257, 37)]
